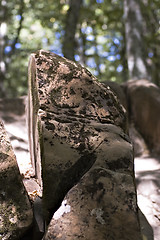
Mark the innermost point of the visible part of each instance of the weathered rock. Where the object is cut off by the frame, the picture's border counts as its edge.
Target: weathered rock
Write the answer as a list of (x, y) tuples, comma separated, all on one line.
[(15, 209), (101, 206), (77, 138), (144, 99), (66, 105)]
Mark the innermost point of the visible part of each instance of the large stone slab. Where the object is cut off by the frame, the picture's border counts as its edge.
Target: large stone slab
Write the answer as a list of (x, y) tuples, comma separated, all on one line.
[(101, 206), (144, 99), (79, 146), (15, 209), (65, 103)]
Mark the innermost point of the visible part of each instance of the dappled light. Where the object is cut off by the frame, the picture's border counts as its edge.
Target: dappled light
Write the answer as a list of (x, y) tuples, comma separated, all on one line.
[(91, 120), (98, 41)]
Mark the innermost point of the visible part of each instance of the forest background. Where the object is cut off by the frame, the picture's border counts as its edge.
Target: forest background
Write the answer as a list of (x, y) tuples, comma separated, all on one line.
[(116, 40)]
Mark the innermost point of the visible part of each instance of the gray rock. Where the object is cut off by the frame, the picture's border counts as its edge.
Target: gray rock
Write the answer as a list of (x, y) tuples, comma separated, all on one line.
[(101, 206), (15, 210), (144, 98), (66, 102), (79, 146)]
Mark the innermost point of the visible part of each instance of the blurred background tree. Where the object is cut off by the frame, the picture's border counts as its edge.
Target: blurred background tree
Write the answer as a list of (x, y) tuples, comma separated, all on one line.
[(92, 32)]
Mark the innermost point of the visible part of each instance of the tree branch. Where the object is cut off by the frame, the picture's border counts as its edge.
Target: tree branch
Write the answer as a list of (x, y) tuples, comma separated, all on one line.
[(21, 11)]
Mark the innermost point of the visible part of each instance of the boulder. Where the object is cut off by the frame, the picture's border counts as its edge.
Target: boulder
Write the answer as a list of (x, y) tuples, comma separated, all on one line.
[(15, 210), (101, 206), (144, 100), (65, 101), (79, 147)]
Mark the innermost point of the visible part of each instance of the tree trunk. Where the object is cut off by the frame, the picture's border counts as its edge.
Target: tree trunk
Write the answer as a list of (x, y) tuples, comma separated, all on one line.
[(135, 46), (69, 43), (16, 39), (151, 29), (5, 60), (3, 30)]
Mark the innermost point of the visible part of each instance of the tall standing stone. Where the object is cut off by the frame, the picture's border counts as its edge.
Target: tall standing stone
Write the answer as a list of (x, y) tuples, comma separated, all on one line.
[(65, 100), (78, 142), (144, 98)]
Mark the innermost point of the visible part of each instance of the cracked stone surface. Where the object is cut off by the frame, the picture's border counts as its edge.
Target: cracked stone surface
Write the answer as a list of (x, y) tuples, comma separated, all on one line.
[(65, 104), (16, 128), (77, 124), (101, 206), (145, 167)]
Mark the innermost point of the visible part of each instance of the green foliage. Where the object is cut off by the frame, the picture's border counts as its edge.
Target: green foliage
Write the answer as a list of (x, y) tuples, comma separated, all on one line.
[(100, 37)]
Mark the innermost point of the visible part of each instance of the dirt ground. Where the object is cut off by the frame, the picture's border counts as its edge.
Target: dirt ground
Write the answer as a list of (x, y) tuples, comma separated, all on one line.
[(147, 172)]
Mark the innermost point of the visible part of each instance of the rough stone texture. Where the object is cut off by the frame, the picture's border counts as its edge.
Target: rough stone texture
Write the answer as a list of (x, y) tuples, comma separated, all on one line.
[(15, 209), (144, 99), (65, 100), (15, 120), (101, 206), (77, 132)]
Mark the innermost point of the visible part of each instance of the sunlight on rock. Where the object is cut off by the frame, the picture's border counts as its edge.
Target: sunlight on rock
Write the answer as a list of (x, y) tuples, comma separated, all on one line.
[(64, 208)]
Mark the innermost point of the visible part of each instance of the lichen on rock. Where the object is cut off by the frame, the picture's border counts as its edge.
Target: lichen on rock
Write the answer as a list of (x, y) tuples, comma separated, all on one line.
[(77, 131)]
